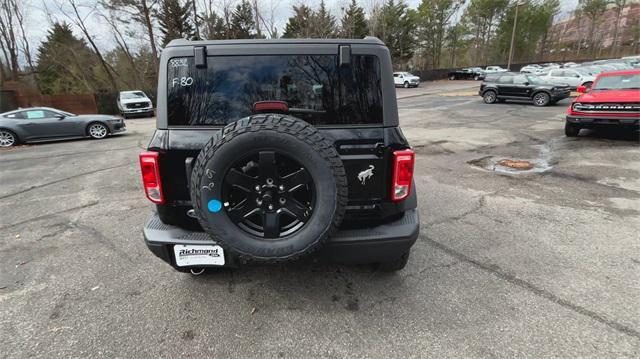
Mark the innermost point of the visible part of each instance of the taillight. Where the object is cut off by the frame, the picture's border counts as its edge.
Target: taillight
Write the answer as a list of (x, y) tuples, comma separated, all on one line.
[(402, 174), (151, 176)]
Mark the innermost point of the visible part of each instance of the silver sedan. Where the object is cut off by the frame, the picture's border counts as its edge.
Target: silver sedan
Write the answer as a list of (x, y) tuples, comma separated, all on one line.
[(38, 124)]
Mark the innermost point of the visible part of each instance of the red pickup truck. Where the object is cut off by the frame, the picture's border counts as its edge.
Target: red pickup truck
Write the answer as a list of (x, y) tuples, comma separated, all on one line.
[(613, 100)]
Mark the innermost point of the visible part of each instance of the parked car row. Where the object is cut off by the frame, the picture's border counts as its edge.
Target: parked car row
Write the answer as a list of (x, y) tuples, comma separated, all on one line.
[(39, 124), (611, 99), (582, 74), (570, 73), (474, 73)]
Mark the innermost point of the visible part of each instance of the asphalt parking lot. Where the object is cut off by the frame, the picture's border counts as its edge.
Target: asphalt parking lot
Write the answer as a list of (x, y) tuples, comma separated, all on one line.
[(538, 264)]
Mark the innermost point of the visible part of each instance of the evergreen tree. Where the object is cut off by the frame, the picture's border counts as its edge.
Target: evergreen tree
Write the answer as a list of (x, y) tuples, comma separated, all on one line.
[(298, 25), (66, 64), (324, 24), (534, 19), (354, 24), (395, 25), (213, 27), (433, 19), (481, 17), (455, 42), (243, 25), (174, 19)]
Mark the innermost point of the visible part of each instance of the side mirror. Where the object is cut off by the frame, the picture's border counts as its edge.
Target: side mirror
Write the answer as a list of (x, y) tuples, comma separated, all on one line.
[(60, 116), (526, 84), (582, 89)]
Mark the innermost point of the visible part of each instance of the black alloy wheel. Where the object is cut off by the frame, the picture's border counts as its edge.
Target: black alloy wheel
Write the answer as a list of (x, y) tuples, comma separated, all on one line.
[(269, 188), (268, 194)]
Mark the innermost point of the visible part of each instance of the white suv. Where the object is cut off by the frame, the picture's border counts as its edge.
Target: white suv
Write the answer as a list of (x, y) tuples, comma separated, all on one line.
[(494, 69), (405, 79), (134, 103), (572, 77)]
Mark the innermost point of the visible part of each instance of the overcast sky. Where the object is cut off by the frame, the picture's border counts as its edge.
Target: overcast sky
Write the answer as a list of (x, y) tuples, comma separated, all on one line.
[(40, 13)]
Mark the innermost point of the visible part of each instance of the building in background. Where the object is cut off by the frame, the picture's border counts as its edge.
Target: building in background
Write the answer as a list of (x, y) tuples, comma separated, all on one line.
[(571, 36)]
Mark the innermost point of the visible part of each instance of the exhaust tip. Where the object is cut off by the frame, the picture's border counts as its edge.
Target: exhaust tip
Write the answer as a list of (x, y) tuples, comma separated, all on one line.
[(197, 271)]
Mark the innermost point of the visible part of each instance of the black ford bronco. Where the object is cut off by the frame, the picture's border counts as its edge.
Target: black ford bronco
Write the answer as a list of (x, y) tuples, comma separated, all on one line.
[(268, 151)]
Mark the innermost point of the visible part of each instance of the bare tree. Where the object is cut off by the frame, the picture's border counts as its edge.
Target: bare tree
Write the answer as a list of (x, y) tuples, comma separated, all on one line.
[(620, 4), (268, 15), (9, 43), (256, 14), (24, 42), (80, 21), (139, 11), (195, 19), (121, 43), (593, 10), (226, 7)]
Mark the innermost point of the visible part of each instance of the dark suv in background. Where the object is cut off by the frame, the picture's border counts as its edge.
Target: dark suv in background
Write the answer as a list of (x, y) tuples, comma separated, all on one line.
[(268, 151), (521, 87)]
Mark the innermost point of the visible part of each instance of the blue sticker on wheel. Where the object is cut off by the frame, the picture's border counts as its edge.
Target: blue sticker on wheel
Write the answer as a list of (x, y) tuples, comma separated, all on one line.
[(214, 206)]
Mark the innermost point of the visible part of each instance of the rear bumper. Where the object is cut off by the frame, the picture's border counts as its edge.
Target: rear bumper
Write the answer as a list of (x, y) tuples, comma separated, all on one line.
[(137, 111), (591, 121), (351, 246), (118, 127), (556, 96)]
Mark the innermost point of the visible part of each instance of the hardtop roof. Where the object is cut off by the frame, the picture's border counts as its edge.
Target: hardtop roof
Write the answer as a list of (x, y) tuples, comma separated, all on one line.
[(369, 40), (619, 72)]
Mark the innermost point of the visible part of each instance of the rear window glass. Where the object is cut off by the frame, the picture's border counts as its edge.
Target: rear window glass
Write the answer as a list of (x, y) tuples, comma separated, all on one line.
[(314, 87)]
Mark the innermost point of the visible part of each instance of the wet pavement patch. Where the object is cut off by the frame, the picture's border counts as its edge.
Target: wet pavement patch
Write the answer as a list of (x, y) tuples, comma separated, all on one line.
[(511, 166)]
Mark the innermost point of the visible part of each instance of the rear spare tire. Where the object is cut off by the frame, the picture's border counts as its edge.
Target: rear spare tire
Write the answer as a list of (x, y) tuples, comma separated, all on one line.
[(269, 188)]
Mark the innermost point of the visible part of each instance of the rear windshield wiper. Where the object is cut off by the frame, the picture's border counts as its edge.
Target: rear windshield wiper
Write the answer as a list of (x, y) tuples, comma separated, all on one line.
[(305, 110)]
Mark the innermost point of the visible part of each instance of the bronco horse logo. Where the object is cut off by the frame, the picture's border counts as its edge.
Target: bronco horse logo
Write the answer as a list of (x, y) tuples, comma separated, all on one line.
[(366, 174)]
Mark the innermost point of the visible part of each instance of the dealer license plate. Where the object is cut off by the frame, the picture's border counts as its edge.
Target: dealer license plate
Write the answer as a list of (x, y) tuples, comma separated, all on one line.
[(197, 255)]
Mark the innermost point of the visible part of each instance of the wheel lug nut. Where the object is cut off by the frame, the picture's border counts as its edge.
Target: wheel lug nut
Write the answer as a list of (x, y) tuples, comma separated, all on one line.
[(283, 200), (258, 201), (258, 188), (281, 187), (269, 181), (270, 207)]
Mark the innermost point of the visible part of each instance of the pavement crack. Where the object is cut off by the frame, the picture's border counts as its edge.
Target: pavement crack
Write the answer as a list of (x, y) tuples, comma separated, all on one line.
[(61, 180), (68, 154), (530, 287), (61, 228), (482, 202), (102, 239), (49, 215)]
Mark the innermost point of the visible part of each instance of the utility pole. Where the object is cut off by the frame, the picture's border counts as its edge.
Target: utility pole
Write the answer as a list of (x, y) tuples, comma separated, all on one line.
[(513, 34)]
